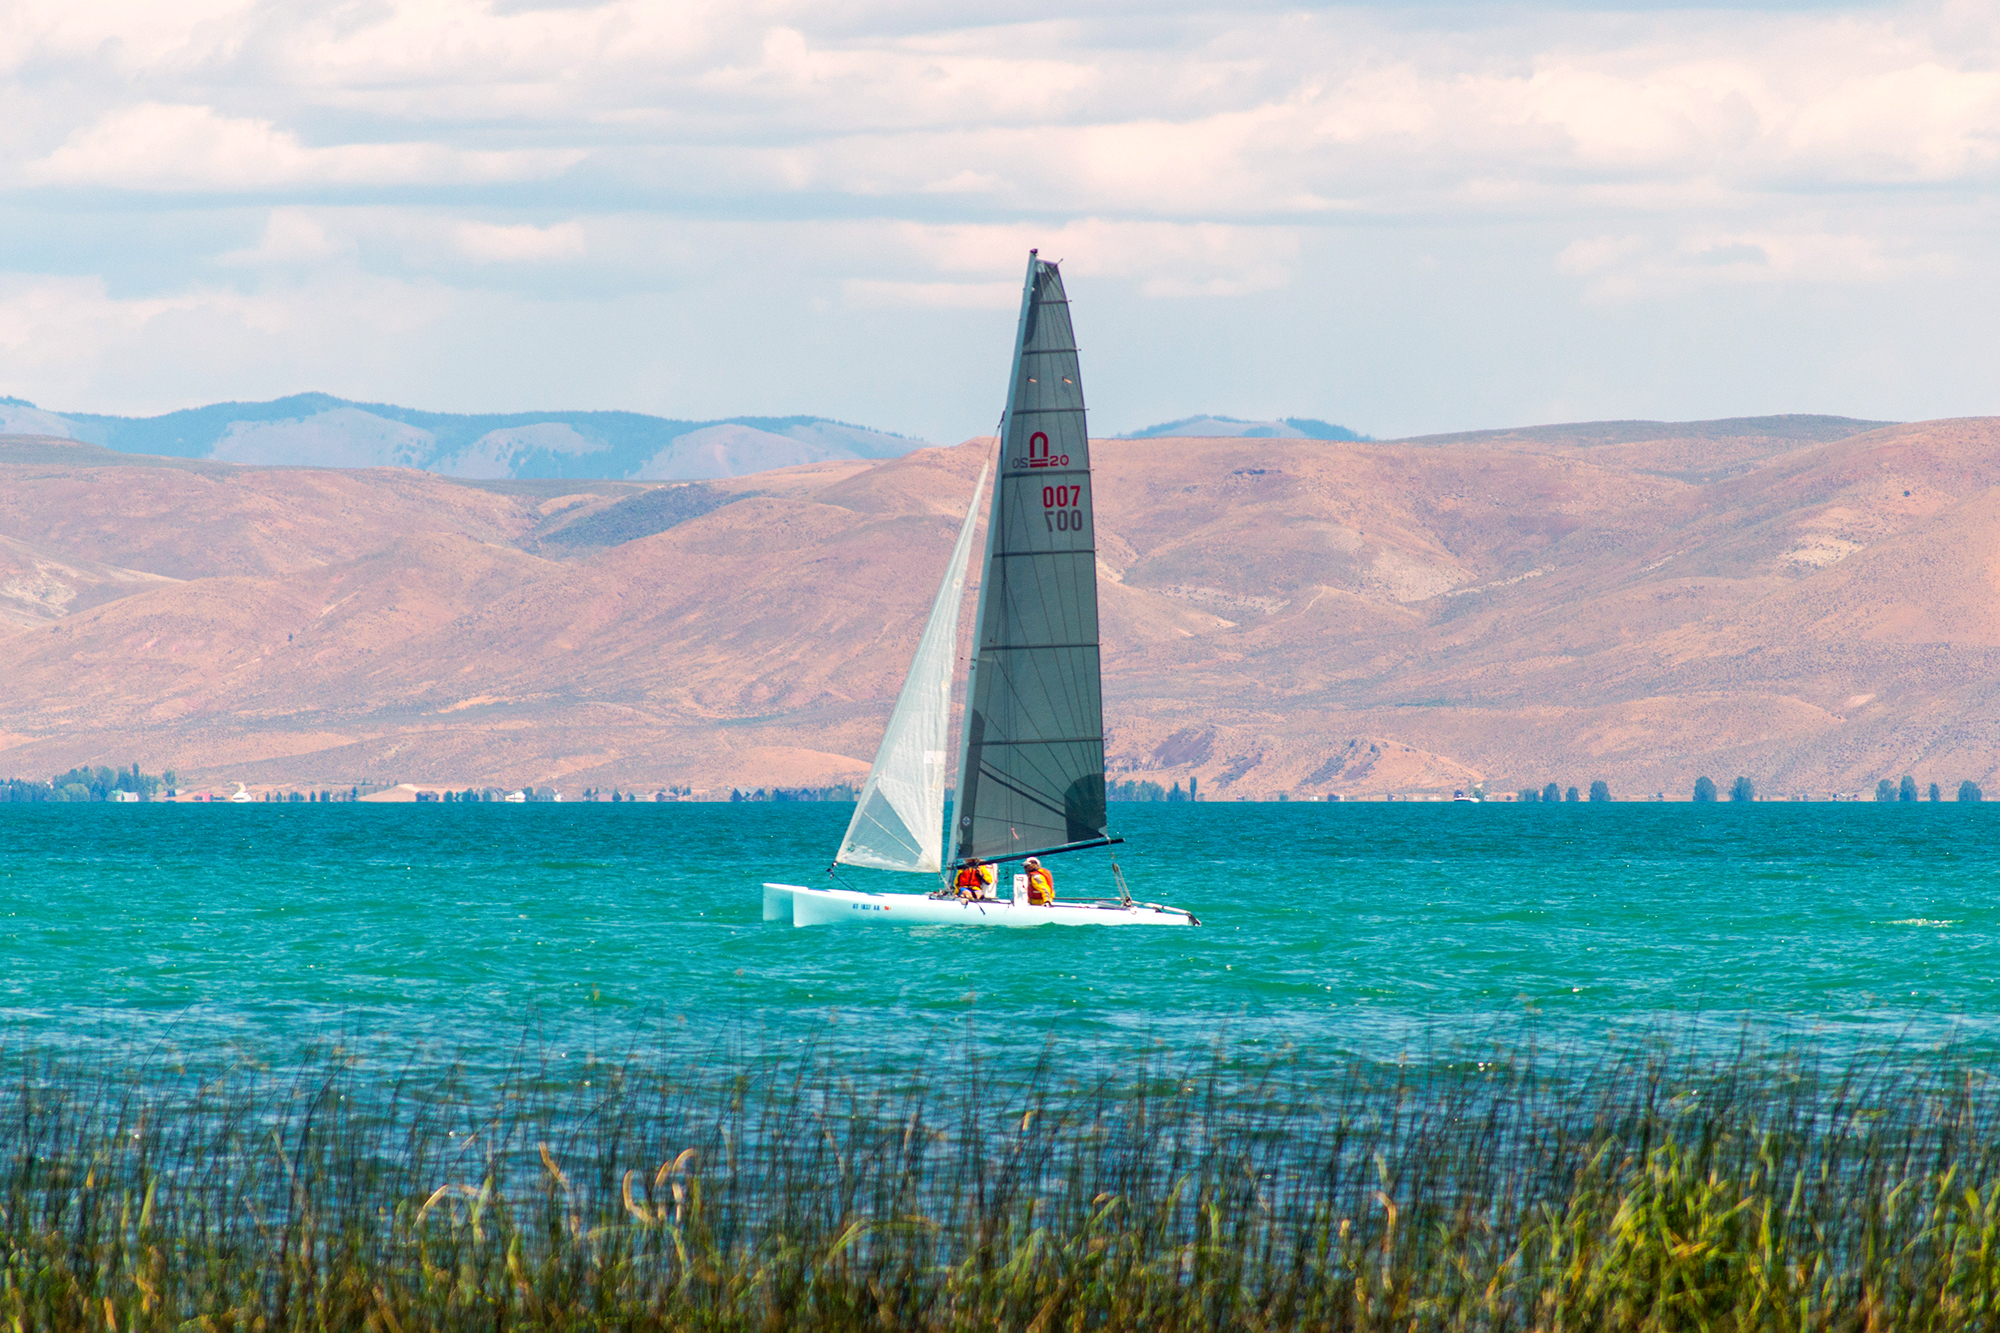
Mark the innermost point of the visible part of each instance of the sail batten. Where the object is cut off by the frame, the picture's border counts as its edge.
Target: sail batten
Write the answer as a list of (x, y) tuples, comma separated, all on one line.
[(898, 821), (1031, 772)]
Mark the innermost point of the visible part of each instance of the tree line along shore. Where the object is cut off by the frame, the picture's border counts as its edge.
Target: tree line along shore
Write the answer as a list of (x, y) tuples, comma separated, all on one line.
[(100, 783), (1743, 789)]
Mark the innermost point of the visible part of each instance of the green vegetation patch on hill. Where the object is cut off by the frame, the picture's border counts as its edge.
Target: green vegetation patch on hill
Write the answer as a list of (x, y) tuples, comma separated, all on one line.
[(651, 511)]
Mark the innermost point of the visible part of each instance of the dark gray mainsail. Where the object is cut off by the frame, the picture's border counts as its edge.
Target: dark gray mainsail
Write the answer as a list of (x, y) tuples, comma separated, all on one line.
[(1031, 766)]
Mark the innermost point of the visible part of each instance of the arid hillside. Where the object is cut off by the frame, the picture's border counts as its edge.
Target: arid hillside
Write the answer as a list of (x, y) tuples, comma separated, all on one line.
[(1808, 601)]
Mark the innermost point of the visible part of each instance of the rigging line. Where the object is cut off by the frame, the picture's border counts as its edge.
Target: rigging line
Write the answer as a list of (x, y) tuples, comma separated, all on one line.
[(1031, 813), (1072, 678), (1027, 761), (1019, 773), (1043, 577), (1053, 679), (1002, 780), (1084, 846), (1036, 784), (1017, 690), (1022, 760)]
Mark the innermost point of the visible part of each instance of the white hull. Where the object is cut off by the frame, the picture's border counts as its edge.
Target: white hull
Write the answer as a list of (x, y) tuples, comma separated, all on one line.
[(833, 907)]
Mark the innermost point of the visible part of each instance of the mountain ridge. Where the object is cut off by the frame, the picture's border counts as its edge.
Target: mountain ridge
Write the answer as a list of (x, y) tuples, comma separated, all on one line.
[(1281, 616), (1213, 424), (321, 430)]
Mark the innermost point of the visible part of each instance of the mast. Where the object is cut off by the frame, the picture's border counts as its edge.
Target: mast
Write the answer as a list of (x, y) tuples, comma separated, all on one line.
[(1031, 759)]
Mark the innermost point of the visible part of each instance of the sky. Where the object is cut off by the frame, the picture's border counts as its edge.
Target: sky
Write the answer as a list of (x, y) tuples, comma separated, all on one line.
[(1404, 219)]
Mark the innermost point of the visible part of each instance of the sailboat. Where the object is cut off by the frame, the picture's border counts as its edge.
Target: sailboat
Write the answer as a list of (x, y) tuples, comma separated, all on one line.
[(1031, 750)]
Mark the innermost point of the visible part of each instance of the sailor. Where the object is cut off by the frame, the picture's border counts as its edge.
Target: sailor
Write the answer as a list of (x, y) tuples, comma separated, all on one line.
[(1041, 884), (973, 878)]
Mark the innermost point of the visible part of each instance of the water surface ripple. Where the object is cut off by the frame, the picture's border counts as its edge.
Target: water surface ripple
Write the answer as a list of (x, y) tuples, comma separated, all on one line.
[(451, 932)]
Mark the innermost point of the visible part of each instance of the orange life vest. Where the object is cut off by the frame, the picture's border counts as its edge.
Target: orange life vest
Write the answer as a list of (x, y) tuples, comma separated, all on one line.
[(1041, 887), (973, 877)]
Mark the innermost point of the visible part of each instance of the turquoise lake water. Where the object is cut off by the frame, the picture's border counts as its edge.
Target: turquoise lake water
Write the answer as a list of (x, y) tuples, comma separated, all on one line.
[(1332, 932)]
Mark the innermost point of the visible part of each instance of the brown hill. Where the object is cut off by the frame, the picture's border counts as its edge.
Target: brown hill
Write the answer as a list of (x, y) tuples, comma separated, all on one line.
[(1805, 600)]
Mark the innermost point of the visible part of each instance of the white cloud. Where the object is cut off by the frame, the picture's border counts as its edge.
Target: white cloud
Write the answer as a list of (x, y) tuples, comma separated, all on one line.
[(967, 182), (159, 146), (73, 342), (292, 236), (1598, 253), (120, 35), (875, 293), (1195, 115), (523, 243), (1623, 268), (48, 318), (781, 165), (58, 332), (1162, 258)]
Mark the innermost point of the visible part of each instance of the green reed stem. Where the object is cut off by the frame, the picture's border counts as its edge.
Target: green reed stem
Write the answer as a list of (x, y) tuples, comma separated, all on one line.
[(1757, 1195)]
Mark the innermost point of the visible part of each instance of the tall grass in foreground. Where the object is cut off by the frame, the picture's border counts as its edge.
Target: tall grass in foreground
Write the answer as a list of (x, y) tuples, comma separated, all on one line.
[(1652, 1197)]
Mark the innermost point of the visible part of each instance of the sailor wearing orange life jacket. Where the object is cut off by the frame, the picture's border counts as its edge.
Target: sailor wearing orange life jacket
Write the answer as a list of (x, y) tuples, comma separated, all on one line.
[(974, 878), (1041, 884)]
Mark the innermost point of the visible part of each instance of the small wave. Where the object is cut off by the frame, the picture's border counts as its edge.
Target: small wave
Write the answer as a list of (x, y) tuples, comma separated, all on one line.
[(1921, 921)]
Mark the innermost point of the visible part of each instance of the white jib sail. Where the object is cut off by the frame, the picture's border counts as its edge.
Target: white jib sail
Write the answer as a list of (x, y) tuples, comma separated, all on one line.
[(898, 823)]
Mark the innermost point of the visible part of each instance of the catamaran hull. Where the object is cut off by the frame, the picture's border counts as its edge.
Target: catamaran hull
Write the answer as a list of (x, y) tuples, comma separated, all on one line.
[(845, 907)]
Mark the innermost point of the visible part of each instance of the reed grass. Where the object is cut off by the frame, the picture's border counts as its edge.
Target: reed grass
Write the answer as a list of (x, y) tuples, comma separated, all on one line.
[(1657, 1195)]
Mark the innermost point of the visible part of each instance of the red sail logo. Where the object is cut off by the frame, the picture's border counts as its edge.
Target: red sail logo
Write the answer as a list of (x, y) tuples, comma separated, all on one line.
[(1039, 455)]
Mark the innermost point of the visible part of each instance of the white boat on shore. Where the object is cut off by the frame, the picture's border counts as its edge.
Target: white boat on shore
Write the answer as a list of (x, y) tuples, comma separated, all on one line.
[(1031, 750)]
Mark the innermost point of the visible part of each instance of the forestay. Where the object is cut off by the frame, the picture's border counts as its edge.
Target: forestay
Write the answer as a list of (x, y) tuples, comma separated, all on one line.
[(898, 823), (1031, 770)]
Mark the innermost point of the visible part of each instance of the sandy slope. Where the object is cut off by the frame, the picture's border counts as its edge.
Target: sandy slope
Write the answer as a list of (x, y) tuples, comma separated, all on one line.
[(1806, 601)]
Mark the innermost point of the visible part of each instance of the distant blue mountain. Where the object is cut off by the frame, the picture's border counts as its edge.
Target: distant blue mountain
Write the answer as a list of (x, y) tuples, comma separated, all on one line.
[(1284, 428), (319, 430)]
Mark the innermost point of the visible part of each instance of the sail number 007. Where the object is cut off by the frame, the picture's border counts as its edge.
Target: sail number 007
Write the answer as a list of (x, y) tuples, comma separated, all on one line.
[(1059, 505)]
